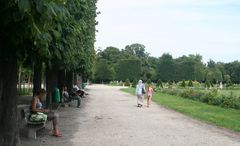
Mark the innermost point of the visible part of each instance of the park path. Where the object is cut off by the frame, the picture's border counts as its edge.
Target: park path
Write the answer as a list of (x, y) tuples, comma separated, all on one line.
[(110, 117)]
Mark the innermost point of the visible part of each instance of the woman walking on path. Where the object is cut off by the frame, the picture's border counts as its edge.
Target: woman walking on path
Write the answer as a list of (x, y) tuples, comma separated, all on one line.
[(140, 91), (149, 94)]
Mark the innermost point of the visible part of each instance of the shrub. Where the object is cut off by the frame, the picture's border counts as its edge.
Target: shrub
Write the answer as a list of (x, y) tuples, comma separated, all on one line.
[(192, 94), (207, 84), (183, 84), (159, 84), (190, 83), (149, 82), (127, 82), (134, 83), (171, 91), (24, 91), (229, 84), (231, 101), (196, 84), (211, 97), (215, 100), (204, 98), (121, 83), (170, 83)]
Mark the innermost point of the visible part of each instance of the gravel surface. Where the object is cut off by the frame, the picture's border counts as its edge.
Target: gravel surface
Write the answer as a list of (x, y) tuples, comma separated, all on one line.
[(109, 117)]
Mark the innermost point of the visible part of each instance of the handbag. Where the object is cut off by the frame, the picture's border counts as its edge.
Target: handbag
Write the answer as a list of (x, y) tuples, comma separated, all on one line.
[(143, 90), (38, 117)]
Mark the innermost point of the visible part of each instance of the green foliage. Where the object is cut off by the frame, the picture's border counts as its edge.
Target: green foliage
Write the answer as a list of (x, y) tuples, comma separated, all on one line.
[(57, 32), (212, 97), (191, 94), (165, 68), (190, 83), (128, 69), (134, 83), (183, 84), (227, 78), (149, 81), (24, 91), (229, 84), (111, 54), (170, 83), (228, 118), (233, 69), (231, 101), (159, 84), (207, 84), (214, 75), (103, 72), (127, 82)]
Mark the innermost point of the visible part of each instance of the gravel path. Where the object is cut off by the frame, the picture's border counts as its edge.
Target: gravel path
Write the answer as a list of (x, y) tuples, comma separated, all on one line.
[(110, 117)]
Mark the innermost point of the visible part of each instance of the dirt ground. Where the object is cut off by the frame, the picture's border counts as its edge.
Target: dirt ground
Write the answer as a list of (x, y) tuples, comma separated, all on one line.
[(109, 117)]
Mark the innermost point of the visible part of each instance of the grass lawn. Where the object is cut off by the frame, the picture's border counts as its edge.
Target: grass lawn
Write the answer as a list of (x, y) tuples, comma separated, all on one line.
[(228, 118), (228, 92)]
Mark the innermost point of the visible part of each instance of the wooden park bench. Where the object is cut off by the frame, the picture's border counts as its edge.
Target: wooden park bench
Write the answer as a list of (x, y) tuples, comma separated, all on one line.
[(26, 125)]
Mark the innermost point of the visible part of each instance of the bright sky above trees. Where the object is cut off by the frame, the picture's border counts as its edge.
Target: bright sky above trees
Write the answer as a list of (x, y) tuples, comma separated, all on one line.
[(180, 27)]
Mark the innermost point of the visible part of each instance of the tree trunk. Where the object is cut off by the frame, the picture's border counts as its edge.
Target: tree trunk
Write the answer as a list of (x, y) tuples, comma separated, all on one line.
[(80, 81), (51, 82), (19, 77), (29, 82), (61, 80), (9, 131), (75, 79), (37, 77), (69, 80)]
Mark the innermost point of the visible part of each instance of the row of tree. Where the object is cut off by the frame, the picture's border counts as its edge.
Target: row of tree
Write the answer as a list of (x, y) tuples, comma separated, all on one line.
[(53, 38), (133, 63)]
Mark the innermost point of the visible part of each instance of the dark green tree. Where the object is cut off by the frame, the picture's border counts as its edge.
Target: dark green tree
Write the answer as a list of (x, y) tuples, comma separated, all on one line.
[(44, 31), (183, 84), (190, 83), (128, 69), (165, 68), (103, 72), (159, 84), (127, 82), (134, 83), (233, 69)]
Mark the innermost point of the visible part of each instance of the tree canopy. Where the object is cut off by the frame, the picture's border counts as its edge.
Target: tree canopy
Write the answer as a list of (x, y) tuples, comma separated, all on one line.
[(166, 68), (57, 33)]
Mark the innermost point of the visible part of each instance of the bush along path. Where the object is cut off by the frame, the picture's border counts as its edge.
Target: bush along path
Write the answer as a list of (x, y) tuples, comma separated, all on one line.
[(212, 97)]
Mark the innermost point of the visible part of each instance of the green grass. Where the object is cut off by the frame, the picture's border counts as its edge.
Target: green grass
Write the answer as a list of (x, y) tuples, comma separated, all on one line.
[(24, 91), (228, 92), (227, 118)]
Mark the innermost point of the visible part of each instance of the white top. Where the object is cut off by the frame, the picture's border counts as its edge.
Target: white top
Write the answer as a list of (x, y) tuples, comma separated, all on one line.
[(75, 86), (139, 89)]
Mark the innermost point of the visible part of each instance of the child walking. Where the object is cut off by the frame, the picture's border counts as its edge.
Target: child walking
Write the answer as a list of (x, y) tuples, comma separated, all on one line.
[(149, 94)]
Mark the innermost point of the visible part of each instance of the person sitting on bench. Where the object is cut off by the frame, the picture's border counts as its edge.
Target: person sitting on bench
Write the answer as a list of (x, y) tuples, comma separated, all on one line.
[(78, 91), (37, 106), (67, 97)]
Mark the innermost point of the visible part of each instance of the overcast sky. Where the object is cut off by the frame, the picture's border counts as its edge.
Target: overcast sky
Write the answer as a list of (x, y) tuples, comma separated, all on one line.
[(210, 28)]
